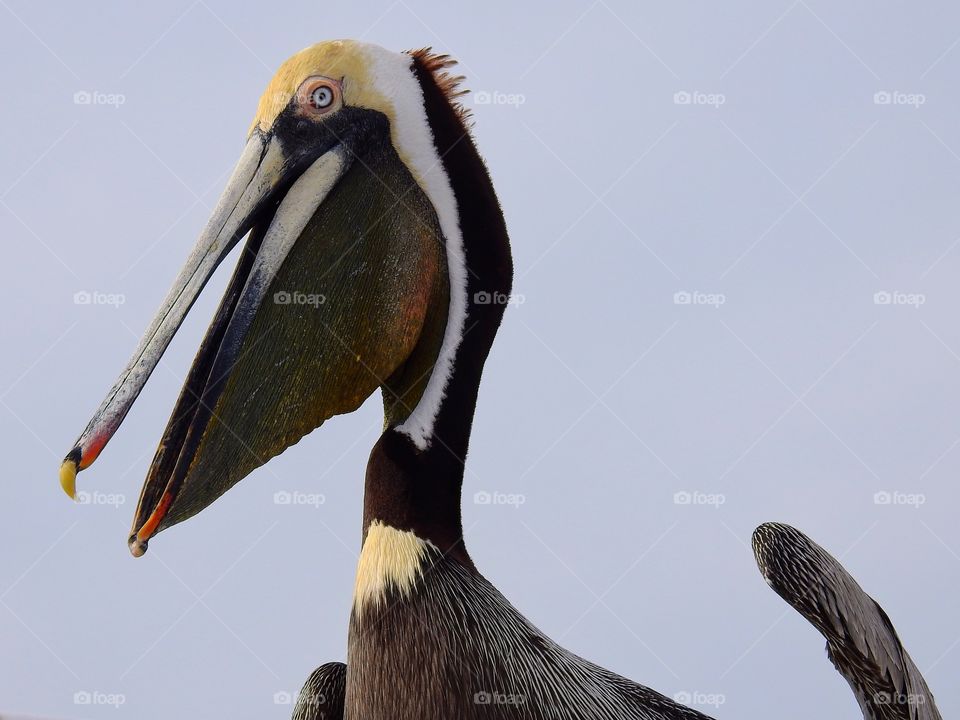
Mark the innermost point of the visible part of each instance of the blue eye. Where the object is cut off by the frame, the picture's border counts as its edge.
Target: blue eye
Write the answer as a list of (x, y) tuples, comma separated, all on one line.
[(322, 97)]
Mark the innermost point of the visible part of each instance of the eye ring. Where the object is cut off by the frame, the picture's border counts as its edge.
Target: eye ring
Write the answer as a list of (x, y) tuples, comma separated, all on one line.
[(319, 95)]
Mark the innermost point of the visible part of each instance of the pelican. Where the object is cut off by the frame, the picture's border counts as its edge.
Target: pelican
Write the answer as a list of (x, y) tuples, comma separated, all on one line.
[(377, 257)]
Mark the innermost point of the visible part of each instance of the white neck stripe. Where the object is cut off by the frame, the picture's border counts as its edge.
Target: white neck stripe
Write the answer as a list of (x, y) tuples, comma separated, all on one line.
[(415, 143)]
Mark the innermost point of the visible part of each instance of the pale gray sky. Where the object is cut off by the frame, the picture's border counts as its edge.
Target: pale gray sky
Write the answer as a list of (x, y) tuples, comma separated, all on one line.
[(738, 152)]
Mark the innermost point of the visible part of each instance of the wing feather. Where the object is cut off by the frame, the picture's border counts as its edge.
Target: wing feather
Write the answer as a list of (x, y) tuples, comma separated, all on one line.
[(862, 642)]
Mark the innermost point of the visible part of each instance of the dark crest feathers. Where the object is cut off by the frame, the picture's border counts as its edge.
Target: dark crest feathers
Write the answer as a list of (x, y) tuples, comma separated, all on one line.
[(438, 65)]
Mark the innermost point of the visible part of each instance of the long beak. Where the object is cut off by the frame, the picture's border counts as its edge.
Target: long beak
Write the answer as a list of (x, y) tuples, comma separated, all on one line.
[(340, 290), (262, 171)]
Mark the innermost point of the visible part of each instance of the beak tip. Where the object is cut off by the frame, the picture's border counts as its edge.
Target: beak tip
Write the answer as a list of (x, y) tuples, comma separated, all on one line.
[(137, 546), (68, 477)]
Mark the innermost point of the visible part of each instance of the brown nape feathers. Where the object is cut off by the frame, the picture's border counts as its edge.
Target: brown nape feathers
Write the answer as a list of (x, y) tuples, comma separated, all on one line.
[(448, 83)]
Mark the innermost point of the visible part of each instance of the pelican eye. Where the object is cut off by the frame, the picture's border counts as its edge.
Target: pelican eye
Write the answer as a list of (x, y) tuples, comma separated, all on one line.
[(322, 97), (319, 95)]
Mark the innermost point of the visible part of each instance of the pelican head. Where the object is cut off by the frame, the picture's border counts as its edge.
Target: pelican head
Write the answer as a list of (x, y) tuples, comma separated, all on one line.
[(353, 277)]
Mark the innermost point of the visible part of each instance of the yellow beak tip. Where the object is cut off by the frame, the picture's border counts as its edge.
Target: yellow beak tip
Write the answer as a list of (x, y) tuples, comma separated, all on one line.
[(68, 478)]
